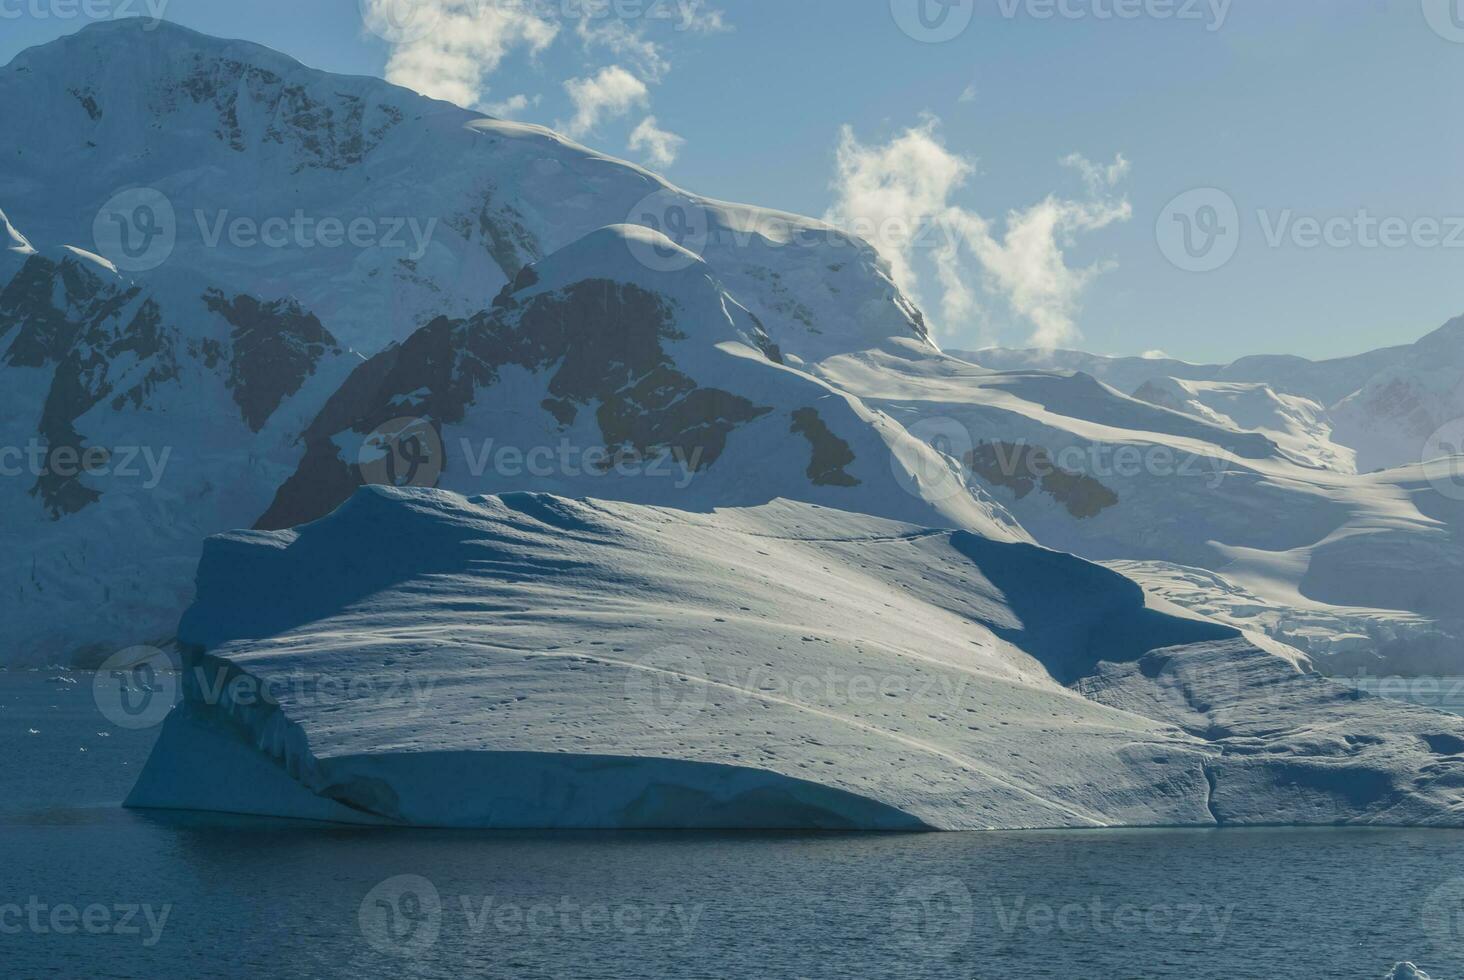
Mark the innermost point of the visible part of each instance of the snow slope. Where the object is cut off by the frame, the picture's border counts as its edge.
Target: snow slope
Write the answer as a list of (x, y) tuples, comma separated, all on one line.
[(1326, 381), (228, 131), (1297, 425), (135, 423), (1385, 406), (589, 664), (1392, 420), (1089, 470)]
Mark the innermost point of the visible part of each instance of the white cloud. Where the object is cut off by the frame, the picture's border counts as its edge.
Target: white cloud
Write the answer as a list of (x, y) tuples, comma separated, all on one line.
[(618, 38), (885, 192), (701, 18), (448, 49), (611, 93), (511, 106), (899, 197), (660, 147), (1155, 355), (968, 95), (1098, 178), (466, 42)]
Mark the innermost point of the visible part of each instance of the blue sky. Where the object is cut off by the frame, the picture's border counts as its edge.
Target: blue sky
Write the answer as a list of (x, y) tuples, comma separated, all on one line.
[(1038, 148)]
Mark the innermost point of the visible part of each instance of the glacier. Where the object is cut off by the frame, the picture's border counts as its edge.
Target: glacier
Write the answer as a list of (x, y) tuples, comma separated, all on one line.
[(590, 664)]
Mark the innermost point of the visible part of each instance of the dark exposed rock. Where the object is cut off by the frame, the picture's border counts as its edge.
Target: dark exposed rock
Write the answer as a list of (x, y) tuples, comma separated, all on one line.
[(501, 230), (330, 134), (276, 346), (1022, 468), (45, 331), (602, 344), (88, 102), (830, 453), (105, 342), (67, 318)]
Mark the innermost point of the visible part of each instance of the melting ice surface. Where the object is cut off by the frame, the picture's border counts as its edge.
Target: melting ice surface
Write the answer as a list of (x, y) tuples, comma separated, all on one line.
[(1190, 904)]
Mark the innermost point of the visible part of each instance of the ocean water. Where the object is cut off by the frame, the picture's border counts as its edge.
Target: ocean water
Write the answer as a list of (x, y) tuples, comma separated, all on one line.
[(88, 889)]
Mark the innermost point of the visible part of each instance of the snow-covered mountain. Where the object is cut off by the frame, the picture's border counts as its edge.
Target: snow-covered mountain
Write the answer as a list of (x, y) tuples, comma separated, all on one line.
[(243, 313), (1383, 408), (528, 661), (1295, 424), (1338, 561), (1411, 409), (542, 334), (1327, 382), (448, 205), (546, 336), (135, 422), (653, 386)]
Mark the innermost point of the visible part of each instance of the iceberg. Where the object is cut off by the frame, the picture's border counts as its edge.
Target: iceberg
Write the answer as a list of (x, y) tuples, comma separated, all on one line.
[(523, 660)]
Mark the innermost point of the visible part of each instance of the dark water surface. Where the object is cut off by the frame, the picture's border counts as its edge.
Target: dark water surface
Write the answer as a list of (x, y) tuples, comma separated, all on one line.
[(88, 889)]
